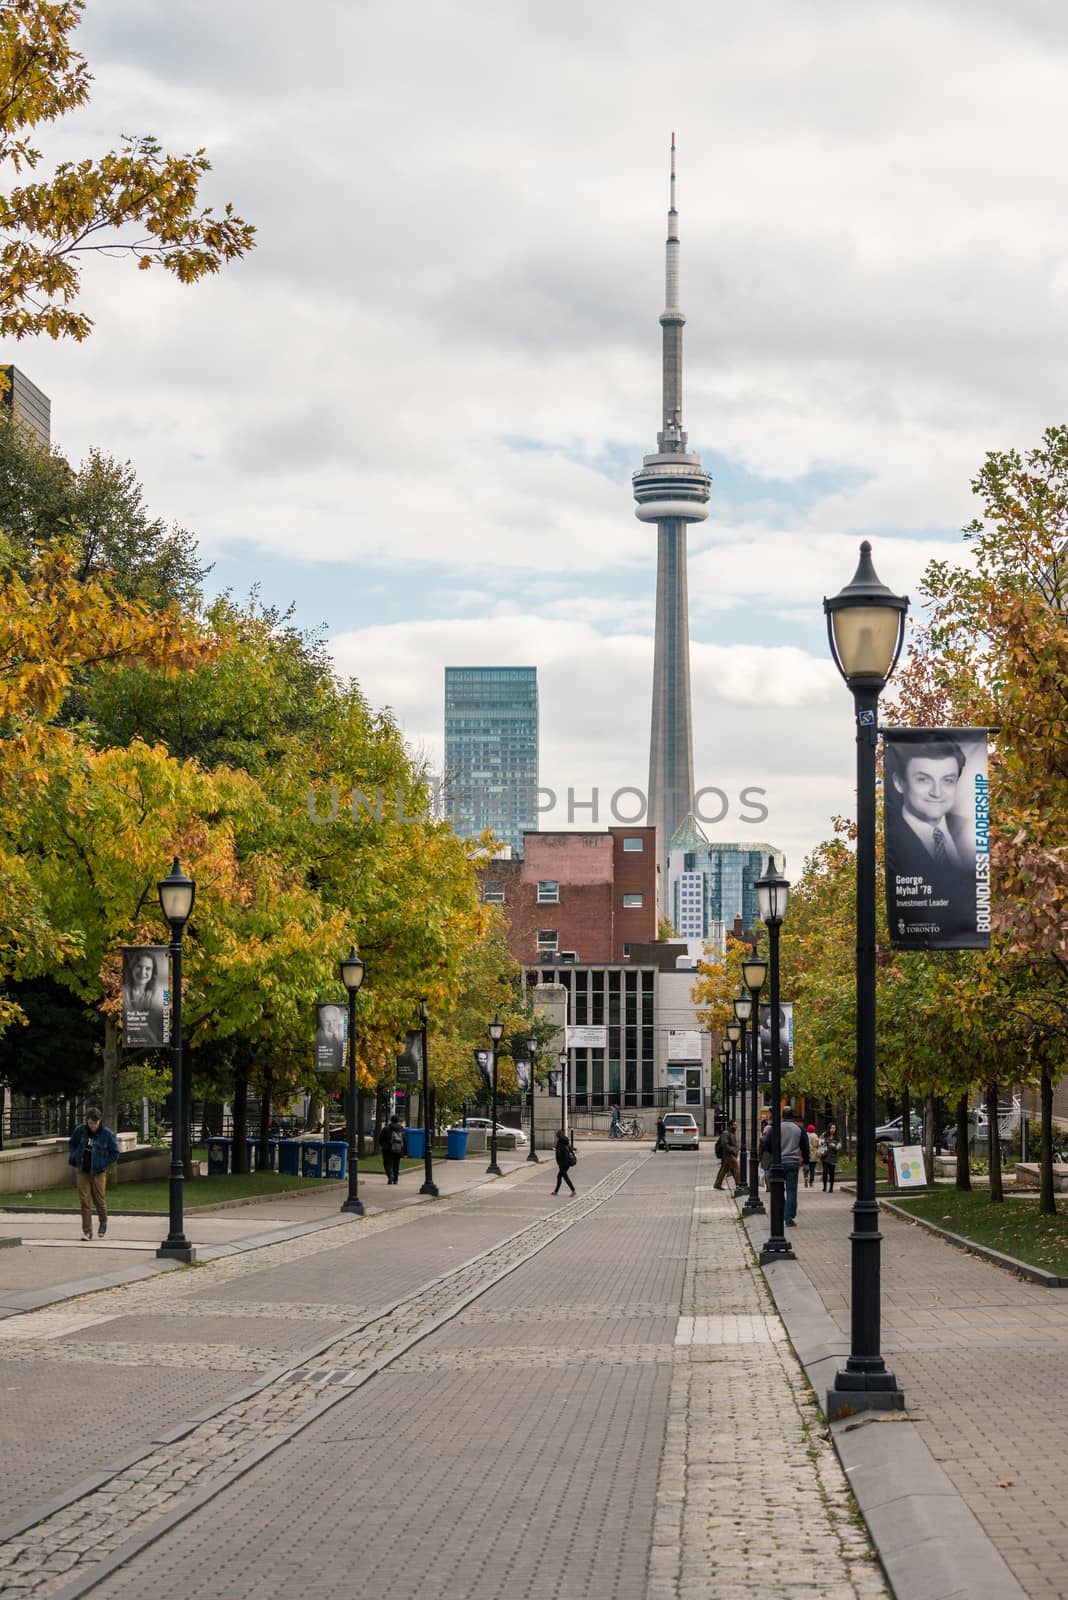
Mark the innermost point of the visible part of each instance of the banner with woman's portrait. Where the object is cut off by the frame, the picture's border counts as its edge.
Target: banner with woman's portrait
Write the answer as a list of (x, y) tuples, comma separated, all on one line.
[(146, 997), (936, 838)]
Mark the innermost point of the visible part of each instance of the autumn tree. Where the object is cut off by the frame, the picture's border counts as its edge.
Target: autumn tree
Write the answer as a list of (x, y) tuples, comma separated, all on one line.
[(136, 202)]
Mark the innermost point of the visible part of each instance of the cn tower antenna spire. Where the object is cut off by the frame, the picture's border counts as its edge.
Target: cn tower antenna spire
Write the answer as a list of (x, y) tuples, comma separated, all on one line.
[(671, 490)]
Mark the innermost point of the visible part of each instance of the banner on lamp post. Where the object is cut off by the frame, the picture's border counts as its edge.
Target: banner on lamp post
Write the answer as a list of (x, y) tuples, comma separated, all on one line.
[(146, 997), (410, 1059), (484, 1063), (936, 838), (331, 1033), (786, 1037)]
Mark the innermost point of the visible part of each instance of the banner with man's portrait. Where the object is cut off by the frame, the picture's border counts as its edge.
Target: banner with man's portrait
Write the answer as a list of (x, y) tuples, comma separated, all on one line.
[(786, 1037), (331, 1033), (484, 1063), (936, 838), (146, 997), (410, 1060)]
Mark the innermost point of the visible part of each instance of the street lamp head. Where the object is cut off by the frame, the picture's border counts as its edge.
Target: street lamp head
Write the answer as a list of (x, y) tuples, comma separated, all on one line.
[(424, 1011), (754, 971), (496, 1030), (866, 627), (176, 895), (743, 1007), (773, 891), (734, 1032), (563, 1060), (352, 971), (532, 1046)]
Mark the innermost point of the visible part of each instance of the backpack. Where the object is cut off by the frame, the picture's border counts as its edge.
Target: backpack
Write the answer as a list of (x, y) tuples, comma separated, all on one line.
[(718, 1146), (396, 1141)]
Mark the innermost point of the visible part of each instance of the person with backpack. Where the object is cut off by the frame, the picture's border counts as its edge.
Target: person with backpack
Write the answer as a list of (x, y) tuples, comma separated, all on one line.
[(392, 1143), (726, 1147), (565, 1160)]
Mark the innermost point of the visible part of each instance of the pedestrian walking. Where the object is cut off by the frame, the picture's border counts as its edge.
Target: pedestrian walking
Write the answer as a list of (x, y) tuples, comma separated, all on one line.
[(660, 1144), (565, 1160), (393, 1145), (726, 1147), (92, 1149), (829, 1156), (765, 1150), (615, 1130), (794, 1149), (810, 1164)]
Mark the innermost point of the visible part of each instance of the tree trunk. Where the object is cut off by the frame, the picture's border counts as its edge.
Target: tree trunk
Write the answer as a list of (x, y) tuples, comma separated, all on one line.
[(213, 1117), (964, 1171), (929, 1136), (239, 1149), (109, 1082), (997, 1192), (906, 1117), (263, 1154), (1047, 1200), (381, 1108)]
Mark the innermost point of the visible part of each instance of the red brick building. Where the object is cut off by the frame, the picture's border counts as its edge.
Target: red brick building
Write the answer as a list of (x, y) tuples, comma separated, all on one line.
[(586, 897)]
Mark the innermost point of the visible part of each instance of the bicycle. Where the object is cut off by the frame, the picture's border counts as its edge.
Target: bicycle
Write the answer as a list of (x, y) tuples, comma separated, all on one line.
[(632, 1128)]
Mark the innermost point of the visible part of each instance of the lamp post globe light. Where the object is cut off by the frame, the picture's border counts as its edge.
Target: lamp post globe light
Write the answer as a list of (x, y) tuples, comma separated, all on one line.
[(743, 1010), (352, 978), (754, 973), (773, 891), (736, 1035), (866, 629), (176, 895), (496, 1029), (532, 1048), (428, 1186)]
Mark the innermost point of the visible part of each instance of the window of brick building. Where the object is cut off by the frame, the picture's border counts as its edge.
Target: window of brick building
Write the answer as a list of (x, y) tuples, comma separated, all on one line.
[(632, 902), (547, 939), (633, 844), (548, 892)]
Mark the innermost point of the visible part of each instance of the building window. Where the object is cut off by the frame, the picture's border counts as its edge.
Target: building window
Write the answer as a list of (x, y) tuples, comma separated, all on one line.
[(626, 952), (633, 844), (493, 897), (548, 892), (632, 902), (547, 939)]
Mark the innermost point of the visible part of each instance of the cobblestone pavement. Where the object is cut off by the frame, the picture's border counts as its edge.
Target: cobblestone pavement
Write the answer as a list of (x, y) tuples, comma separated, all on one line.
[(582, 1409), (983, 1359)]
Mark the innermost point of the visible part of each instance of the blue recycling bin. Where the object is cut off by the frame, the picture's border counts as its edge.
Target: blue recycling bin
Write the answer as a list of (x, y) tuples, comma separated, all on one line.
[(218, 1157), (289, 1157), (311, 1158), (415, 1139), (456, 1143), (337, 1158)]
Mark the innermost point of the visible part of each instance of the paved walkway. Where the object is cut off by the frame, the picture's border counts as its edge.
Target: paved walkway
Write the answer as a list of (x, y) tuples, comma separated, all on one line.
[(505, 1392), (983, 1359)]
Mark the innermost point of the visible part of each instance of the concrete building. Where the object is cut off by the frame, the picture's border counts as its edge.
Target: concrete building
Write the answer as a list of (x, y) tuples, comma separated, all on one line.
[(31, 406), (578, 897), (491, 751), (671, 490), (710, 885)]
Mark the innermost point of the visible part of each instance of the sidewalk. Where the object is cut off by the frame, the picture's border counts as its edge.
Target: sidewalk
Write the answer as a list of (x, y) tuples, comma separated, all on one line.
[(982, 1357), (509, 1392)]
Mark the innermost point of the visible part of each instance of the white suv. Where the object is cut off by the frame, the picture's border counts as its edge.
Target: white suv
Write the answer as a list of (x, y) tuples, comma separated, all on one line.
[(680, 1131)]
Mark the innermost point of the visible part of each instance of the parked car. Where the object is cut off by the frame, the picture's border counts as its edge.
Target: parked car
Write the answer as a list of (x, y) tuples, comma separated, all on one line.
[(890, 1132), (487, 1124), (680, 1131)]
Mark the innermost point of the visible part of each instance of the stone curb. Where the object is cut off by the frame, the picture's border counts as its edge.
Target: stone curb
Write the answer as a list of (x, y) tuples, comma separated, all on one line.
[(1048, 1280), (930, 1544)]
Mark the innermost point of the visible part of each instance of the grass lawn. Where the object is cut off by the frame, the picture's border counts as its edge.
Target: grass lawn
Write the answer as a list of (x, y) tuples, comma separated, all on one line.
[(1015, 1227), (154, 1196)]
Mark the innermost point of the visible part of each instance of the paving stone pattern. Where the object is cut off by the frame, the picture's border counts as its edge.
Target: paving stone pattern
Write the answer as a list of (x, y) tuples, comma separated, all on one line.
[(983, 1359), (581, 1412), (42, 1560)]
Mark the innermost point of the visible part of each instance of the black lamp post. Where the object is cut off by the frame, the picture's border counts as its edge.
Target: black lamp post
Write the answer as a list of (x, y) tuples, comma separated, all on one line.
[(532, 1047), (866, 629), (496, 1029), (563, 1092), (744, 1010), (352, 978), (736, 1035), (176, 896), (754, 972), (773, 891), (428, 1186), (724, 1067)]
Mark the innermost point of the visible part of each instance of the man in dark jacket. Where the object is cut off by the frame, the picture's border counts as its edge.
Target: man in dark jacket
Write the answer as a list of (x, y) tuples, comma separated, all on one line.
[(392, 1144), (727, 1150), (795, 1150), (92, 1149)]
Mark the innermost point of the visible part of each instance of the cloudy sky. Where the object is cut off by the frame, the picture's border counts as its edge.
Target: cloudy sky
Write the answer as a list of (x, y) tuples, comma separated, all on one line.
[(415, 410)]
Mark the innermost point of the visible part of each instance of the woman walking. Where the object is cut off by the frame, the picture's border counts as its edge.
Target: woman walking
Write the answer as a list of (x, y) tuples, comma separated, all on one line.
[(829, 1156), (565, 1158)]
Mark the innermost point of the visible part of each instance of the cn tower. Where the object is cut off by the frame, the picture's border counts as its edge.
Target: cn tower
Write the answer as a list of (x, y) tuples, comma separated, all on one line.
[(671, 490)]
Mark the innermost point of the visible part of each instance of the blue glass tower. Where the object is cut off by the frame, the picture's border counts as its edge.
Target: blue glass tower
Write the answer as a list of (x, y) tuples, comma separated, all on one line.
[(491, 751)]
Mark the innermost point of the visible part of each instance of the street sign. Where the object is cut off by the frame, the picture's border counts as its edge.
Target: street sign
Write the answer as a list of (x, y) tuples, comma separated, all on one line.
[(909, 1170), (587, 1038)]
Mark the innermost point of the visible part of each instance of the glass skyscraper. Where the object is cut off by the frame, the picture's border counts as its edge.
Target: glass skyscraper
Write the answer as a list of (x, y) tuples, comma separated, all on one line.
[(490, 778), (713, 883)]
